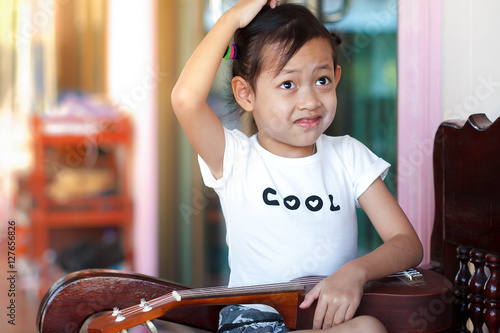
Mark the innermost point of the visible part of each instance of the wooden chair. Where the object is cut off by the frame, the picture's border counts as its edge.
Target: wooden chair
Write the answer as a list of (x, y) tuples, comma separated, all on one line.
[(466, 234), (465, 242), (401, 302)]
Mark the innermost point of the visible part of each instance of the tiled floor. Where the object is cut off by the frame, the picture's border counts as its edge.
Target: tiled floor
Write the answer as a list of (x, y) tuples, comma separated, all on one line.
[(24, 295)]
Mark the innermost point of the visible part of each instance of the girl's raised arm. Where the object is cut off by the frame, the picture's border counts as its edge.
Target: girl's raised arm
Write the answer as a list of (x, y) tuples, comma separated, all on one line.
[(189, 96)]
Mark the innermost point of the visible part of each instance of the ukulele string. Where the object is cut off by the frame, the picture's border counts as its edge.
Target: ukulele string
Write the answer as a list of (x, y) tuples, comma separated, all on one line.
[(295, 285), (222, 291), (411, 275)]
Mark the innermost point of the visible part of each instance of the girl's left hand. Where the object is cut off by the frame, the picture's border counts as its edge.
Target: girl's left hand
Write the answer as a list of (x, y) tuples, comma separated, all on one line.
[(338, 298), (273, 3), (245, 10)]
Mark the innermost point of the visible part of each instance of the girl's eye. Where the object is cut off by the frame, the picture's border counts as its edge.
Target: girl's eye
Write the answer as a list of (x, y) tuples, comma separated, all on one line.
[(323, 81), (287, 85)]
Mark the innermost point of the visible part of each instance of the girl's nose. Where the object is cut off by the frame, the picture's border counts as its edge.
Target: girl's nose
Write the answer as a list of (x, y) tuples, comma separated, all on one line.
[(308, 100)]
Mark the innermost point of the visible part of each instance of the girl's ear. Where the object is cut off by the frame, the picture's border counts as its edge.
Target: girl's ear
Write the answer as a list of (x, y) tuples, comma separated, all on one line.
[(243, 93), (338, 72)]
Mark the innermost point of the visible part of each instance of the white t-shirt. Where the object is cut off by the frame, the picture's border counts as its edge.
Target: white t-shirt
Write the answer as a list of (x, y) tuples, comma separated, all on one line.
[(291, 217)]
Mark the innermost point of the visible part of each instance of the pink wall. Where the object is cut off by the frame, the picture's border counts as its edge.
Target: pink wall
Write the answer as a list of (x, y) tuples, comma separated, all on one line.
[(133, 84), (419, 109)]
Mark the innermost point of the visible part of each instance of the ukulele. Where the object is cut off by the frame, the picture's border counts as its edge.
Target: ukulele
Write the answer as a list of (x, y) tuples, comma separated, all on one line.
[(412, 301)]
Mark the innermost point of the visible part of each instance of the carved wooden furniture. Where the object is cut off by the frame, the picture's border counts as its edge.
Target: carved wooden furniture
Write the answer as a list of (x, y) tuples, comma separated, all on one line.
[(403, 302), (465, 241), (79, 295), (465, 245)]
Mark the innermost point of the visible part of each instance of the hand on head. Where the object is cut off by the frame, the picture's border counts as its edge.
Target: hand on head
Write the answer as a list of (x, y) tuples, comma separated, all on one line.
[(248, 9), (273, 3)]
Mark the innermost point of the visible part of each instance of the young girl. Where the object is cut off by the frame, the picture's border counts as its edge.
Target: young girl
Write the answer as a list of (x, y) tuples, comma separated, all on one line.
[(289, 193)]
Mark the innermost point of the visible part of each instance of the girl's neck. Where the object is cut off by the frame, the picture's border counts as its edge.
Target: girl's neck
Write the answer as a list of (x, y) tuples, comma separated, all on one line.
[(289, 151)]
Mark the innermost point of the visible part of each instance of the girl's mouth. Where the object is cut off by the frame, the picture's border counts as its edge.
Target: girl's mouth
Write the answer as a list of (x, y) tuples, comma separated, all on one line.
[(308, 122)]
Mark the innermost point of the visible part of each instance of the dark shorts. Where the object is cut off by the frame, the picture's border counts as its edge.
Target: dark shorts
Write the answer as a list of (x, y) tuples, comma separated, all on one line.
[(242, 319)]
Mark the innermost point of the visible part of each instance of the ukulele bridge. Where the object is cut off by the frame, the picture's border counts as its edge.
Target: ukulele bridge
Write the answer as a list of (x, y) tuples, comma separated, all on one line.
[(411, 276)]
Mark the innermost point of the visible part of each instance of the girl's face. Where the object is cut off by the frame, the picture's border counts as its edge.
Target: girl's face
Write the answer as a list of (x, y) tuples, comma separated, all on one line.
[(292, 109)]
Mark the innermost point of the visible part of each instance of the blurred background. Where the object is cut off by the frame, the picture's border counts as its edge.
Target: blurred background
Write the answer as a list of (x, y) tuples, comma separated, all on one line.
[(96, 172)]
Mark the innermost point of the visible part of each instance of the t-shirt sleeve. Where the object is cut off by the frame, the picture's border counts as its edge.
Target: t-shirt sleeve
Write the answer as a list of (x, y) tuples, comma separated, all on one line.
[(234, 140), (365, 167)]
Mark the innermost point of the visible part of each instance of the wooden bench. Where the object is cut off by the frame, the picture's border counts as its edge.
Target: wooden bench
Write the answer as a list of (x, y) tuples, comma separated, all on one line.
[(465, 242)]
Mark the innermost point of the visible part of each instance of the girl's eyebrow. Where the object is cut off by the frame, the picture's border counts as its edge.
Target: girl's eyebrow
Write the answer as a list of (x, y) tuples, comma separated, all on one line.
[(321, 67), (285, 71), (289, 71)]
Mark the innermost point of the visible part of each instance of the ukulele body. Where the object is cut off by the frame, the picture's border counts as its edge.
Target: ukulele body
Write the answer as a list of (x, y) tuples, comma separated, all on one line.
[(400, 306)]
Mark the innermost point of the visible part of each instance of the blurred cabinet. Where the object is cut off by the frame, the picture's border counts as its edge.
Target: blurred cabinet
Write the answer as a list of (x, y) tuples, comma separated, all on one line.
[(80, 182)]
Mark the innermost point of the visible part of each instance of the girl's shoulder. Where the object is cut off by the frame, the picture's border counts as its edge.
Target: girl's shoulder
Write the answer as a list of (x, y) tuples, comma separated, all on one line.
[(349, 149), (237, 140), (343, 143)]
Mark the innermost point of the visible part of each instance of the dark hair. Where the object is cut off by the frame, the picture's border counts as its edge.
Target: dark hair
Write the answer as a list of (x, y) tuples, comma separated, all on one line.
[(290, 25)]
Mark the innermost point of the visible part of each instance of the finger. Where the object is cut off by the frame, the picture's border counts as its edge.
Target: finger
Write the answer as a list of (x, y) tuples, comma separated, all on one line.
[(310, 298), (351, 310), (319, 315), (329, 316), (340, 315)]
